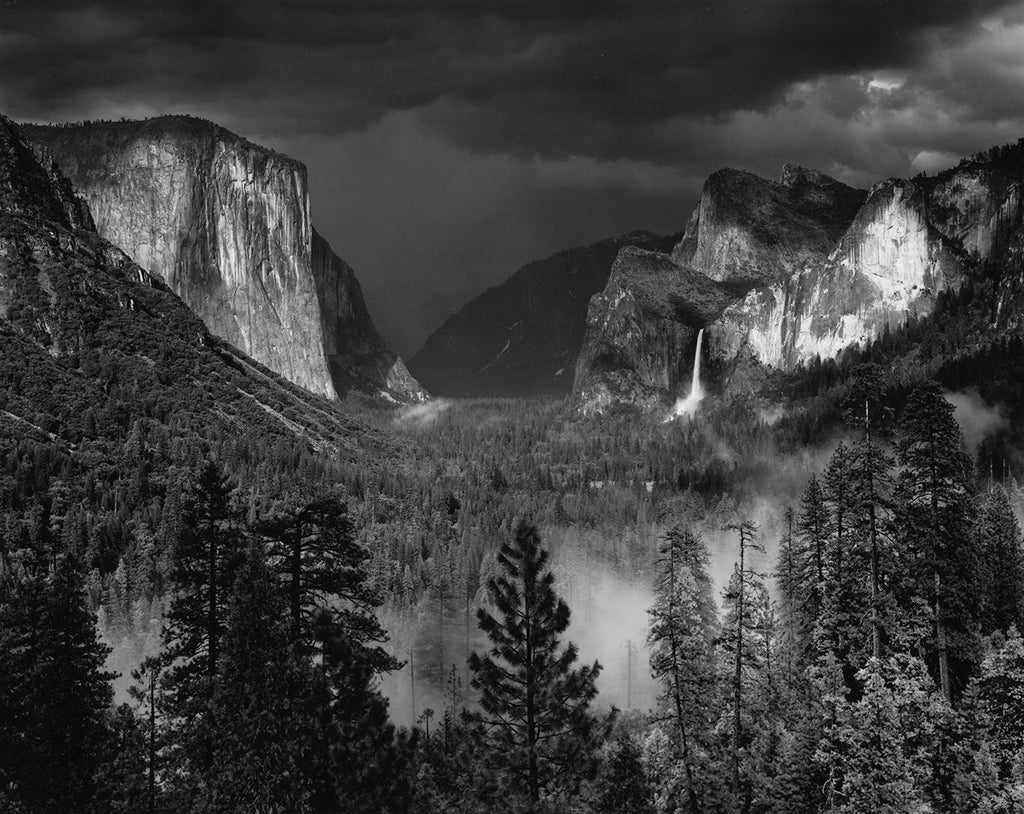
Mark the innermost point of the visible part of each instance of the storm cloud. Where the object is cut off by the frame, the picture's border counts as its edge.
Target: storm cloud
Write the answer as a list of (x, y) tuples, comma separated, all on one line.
[(450, 142)]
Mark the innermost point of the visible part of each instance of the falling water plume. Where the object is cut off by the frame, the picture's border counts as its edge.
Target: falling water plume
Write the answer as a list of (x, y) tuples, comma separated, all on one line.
[(688, 406)]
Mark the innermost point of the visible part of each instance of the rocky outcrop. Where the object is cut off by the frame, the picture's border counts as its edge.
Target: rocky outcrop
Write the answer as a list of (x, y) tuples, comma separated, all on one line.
[(523, 336), (641, 331), (226, 223), (750, 231), (814, 267)]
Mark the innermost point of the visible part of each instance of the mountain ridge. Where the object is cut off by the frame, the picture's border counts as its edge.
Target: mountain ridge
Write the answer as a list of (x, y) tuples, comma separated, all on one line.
[(796, 295), (522, 336)]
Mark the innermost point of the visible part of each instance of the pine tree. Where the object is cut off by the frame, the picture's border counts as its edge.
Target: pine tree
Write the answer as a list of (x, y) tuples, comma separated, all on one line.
[(370, 762), (766, 700), (739, 650), (795, 643), (22, 591), (147, 692), (535, 722), (934, 496), (997, 694), (312, 547), (797, 782), (261, 704), (1001, 567), (788, 580), (54, 692), (681, 637), (206, 563), (623, 786), (437, 626), (812, 534), (799, 779), (876, 750), (872, 486), (121, 783), (845, 597)]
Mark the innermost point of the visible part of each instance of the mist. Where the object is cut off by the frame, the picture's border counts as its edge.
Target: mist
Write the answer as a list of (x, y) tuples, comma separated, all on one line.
[(977, 418), (417, 416)]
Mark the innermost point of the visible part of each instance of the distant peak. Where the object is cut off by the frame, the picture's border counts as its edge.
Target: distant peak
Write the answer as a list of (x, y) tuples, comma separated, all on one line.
[(794, 173), (636, 234)]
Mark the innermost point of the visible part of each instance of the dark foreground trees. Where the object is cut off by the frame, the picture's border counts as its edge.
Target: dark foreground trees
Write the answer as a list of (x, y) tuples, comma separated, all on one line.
[(239, 712), (54, 693), (682, 637), (286, 715), (834, 706), (535, 724)]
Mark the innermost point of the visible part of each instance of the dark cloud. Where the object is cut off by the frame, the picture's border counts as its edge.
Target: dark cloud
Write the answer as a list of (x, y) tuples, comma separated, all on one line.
[(552, 78), (461, 138)]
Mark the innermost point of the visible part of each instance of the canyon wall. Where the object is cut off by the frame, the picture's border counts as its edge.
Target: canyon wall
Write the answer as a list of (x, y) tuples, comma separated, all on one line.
[(226, 223), (810, 267)]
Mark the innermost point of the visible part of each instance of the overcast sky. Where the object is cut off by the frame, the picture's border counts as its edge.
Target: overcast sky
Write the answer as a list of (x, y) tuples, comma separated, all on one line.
[(451, 141)]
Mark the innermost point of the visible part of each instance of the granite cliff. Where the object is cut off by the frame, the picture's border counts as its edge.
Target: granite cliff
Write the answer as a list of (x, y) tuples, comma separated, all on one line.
[(888, 266), (641, 330), (226, 223), (749, 231), (91, 338), (809, 267)]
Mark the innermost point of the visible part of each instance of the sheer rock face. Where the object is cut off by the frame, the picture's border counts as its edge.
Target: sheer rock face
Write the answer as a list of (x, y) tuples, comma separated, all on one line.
[(888, 266), (71, 301), (641, 331), (523, 337), (354, 350), (750, 231), (226, 224), (813, 267)]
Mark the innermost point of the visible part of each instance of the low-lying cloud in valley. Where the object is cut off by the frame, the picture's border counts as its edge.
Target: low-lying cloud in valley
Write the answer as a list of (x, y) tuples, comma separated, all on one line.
[(977, 418)]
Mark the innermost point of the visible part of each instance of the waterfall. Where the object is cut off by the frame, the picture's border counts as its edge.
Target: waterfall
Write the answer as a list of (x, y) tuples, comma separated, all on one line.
[(688, 406), (695, 383)]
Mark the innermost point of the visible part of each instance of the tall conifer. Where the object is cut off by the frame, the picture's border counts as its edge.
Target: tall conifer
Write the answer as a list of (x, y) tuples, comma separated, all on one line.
[(535, 720)]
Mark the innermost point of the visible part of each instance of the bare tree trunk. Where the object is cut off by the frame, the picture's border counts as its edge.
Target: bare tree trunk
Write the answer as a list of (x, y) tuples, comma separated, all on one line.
[(940, 636), (212, 620), (152, 739), (295, 589), (940, 627), (684, 743), (876, 620), (738, 674)]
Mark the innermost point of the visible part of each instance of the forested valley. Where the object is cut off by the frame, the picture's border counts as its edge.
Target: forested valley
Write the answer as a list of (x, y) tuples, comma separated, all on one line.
[(221, 593), (828, 600)]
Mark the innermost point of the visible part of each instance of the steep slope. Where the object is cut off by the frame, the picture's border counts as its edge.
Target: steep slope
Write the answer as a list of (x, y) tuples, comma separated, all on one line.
[(815, 267), (85, 331), (522, 337), (226, 224)]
